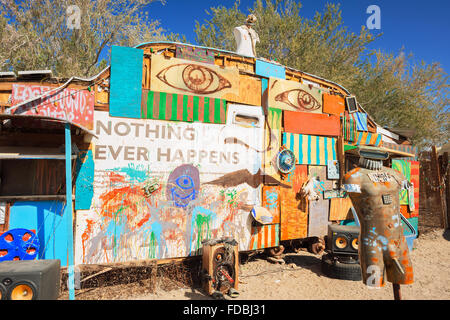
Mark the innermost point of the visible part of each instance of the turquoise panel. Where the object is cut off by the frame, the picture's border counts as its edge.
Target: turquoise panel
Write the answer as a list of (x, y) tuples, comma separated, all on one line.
[(126, 82), (266, 69), (84, 189)]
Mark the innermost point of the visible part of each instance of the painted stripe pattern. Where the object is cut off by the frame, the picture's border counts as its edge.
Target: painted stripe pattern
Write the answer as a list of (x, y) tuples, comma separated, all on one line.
[(404, 148), (368, 138), (361, 121), (415, 179), (404, 167), (315, 150), (265, 236), (178, 107), (348, 125)]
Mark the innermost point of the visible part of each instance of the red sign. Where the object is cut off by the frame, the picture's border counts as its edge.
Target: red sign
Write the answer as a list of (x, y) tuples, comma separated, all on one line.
[(74, 105)]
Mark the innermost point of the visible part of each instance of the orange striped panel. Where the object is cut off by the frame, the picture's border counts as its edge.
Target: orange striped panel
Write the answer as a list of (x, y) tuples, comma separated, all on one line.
[(416, 181)]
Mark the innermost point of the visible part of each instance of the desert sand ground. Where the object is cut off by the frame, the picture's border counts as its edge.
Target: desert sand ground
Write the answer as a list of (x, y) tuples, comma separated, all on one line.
[(301, 278)]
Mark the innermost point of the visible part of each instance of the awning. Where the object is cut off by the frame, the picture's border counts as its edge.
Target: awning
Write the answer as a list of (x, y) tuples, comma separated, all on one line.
[(392, 153), (45, 119), (32, 153)]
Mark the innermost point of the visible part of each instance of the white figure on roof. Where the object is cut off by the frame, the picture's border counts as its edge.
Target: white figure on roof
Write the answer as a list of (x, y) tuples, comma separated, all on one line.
[(246, 37)]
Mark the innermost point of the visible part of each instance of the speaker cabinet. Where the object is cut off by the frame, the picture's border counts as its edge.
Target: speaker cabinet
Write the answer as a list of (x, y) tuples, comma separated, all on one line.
[(30, 279), (343, 239), (220, 265)]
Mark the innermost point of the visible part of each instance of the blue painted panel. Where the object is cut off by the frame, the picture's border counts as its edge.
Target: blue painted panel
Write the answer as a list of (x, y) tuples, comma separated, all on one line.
[(84, 189), (266, 69), (47, 219), (361, 121), (126, 82)]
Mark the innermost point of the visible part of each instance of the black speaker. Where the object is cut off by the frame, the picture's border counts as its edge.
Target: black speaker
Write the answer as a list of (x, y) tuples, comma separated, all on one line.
[(30, 279), (343, 239)]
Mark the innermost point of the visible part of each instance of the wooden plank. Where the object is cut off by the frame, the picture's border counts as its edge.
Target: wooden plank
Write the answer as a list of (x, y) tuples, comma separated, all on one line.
[(294, 96), (4, 225), (272, 142), (265, 236), (189, 77), (294, 209), (340, 209), (446, 176), (69, 213), (290, 73), (319, 209), (249, 91), (333, 104), (271, 201), (311, 123), (195, 54), (436, 180), (34, 198)]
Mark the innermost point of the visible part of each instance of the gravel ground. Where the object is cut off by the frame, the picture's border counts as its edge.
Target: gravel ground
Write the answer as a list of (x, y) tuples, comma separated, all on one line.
[(301, 278)]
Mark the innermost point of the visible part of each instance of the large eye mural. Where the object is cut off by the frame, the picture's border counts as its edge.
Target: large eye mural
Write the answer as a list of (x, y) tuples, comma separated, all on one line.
[(196, 79), (294, 96), (183, 185), (298, 99)]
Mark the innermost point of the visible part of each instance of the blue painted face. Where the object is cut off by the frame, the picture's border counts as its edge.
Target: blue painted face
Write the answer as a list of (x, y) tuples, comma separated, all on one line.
[(183, 185)]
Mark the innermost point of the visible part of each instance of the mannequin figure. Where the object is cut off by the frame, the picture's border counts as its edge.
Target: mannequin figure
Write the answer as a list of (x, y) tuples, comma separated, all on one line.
[(374, 191), (246, 37)]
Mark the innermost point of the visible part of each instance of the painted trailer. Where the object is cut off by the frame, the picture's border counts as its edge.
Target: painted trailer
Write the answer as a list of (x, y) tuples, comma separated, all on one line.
[(183, 146)]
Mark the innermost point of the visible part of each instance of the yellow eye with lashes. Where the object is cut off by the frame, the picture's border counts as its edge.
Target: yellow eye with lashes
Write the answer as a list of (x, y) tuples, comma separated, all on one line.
[(298, 99), (195, 78)]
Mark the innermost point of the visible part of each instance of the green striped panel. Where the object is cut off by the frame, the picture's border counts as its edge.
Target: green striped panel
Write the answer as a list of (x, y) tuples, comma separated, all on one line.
[(175, 107)]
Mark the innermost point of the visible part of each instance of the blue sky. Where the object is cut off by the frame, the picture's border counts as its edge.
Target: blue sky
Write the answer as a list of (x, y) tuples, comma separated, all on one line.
[(420, 27)]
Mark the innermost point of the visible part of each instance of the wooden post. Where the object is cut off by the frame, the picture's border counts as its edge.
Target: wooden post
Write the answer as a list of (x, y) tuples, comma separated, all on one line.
[(397, 293), (436, 180), (70, 262), (341, 158), (446, 177)]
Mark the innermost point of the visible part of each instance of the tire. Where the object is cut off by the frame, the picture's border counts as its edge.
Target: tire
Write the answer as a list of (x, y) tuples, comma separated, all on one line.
[(338, 270)]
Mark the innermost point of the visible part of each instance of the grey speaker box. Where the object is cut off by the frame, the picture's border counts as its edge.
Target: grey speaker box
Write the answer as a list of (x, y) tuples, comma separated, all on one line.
[(30, 279)]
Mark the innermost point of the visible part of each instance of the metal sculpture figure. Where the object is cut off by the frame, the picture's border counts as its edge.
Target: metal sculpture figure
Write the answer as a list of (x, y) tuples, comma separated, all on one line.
[(374, 191)]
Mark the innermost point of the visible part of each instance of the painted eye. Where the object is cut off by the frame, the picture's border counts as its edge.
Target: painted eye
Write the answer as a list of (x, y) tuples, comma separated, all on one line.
[(298, 99), (195, 78), (184, 182)]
